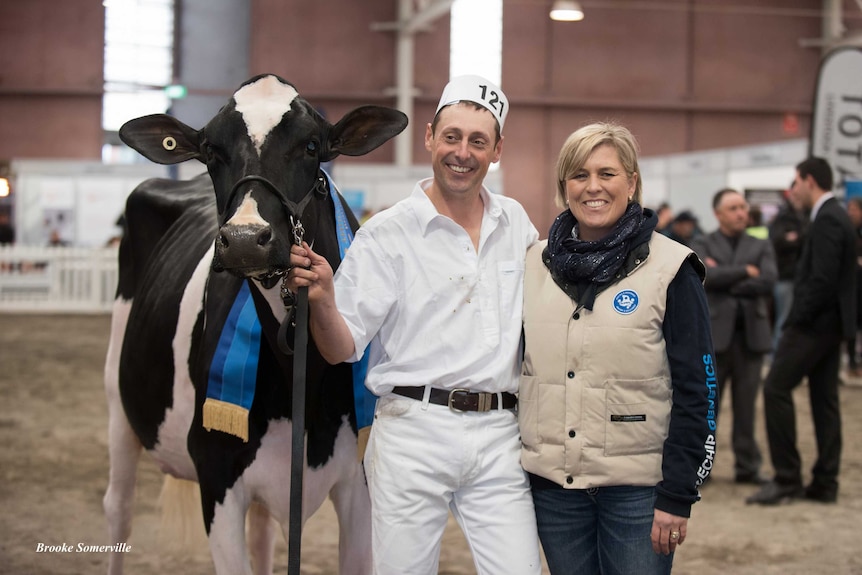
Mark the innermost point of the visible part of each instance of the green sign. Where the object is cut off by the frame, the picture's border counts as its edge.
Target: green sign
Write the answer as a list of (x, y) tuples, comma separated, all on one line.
[(176, 91)]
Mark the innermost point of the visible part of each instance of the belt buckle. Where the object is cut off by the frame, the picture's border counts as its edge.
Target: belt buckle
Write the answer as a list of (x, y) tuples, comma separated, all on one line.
[(485, 400), (451, 397)]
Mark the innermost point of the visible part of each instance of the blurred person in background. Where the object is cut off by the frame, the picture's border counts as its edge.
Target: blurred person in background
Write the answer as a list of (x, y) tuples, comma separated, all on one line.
[(665, 217), (755, 224), (786, 232), (854, 210), (740, 277), (683, 228), (822, 318), (7, 231)]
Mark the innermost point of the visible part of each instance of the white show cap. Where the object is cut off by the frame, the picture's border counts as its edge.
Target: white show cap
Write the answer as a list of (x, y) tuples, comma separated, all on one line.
[(476, 89)]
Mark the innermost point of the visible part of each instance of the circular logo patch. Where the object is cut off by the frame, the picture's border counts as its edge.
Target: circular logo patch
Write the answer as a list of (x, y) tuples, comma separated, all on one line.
[(626, 301)]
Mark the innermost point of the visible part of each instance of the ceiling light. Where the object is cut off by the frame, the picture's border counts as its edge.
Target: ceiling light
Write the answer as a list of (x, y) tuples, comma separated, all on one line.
[(567, 11)]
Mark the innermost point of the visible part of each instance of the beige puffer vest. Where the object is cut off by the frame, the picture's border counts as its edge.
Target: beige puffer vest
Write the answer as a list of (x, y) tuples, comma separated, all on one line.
[(595, 392)]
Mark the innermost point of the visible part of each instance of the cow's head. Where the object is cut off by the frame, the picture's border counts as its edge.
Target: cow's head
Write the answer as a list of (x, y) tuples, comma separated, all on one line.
[(263, 152)]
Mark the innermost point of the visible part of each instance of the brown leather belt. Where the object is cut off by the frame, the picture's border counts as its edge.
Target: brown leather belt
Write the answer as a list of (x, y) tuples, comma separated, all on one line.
[(459, 399)]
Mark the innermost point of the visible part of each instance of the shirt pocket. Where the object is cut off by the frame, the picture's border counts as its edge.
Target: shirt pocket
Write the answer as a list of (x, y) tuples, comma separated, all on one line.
[(510, 282), (637, 415)]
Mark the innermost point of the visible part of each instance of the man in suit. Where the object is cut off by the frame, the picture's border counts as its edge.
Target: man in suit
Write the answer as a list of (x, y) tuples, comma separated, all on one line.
[(741, 273), (822, 316)]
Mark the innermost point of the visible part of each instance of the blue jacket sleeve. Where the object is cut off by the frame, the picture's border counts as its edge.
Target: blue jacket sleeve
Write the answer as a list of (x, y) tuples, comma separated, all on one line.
[(689, 449)]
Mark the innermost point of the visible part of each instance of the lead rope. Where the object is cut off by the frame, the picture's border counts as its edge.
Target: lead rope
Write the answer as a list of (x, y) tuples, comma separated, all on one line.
[(296, 317), (288, 298), (297, 451)]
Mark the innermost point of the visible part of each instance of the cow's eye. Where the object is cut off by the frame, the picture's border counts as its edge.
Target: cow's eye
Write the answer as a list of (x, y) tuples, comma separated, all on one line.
[(311, 147)]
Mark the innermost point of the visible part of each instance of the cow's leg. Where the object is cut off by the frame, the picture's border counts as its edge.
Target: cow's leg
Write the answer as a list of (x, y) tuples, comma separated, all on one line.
[(124, 448), (353, 507), (227, 531), (261, 539), (124, 451)]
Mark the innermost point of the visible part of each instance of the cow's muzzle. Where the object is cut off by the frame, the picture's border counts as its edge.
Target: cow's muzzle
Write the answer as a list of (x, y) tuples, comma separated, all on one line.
[(245, 250), (250, 250)]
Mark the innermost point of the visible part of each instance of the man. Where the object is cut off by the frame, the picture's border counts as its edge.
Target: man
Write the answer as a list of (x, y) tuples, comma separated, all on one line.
[(683, 228), (665, 217), (755, 224), (435, 285), (822, 316), (786, 233), (740, 276)]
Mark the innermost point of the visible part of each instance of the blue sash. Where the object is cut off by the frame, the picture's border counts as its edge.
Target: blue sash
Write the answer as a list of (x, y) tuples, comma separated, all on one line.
[(363, 399), (233, 370)]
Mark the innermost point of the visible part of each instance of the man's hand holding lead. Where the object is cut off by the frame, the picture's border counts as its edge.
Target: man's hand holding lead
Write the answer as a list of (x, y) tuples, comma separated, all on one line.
[(311, 270)]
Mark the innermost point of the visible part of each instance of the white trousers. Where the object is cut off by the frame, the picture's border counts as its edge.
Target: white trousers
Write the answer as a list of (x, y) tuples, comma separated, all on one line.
[(424, 460)]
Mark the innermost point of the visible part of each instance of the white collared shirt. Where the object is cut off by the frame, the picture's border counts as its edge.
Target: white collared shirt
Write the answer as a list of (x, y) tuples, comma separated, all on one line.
[(434, 310), (819, 203)]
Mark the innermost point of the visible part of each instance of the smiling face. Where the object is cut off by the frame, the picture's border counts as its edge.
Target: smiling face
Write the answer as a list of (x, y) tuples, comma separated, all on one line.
[(463, 145), (599, 192)]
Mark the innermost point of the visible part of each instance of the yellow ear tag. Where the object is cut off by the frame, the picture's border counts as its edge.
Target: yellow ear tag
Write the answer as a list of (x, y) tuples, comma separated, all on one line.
[(169, 143)]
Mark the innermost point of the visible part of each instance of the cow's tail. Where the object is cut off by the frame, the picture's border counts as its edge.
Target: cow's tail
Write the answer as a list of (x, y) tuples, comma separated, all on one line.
[(181, 525)]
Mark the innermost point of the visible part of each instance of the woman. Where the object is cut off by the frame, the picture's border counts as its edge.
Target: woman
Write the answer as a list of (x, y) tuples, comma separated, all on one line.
[(618, 386)]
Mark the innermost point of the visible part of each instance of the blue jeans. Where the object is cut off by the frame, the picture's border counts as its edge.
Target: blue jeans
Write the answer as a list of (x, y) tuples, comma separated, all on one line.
[(604, 530)]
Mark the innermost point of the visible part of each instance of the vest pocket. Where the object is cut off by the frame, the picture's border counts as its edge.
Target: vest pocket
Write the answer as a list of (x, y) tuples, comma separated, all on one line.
[(637, 415)]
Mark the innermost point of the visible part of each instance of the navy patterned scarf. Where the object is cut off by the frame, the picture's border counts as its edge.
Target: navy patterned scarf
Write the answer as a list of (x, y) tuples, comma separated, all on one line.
[(588, 267)]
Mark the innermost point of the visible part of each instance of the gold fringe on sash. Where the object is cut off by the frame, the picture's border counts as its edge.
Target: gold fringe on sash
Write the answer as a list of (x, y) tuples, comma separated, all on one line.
[(226, 417), (362, 441)]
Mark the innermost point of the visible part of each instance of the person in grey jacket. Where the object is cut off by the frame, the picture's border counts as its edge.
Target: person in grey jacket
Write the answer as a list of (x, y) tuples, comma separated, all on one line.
[(618, 386), (740, 277)]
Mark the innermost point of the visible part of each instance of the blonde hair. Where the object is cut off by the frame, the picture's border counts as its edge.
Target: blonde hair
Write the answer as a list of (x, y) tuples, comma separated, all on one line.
[(581, 143)]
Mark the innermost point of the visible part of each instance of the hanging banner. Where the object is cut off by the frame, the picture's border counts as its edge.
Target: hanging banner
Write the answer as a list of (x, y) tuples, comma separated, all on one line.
[(836, 124)]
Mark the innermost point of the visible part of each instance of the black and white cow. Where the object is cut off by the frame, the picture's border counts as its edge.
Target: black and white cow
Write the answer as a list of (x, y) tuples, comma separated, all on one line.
[(263, 152)]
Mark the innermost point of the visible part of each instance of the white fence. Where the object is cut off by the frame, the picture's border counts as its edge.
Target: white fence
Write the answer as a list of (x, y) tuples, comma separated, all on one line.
[(57, 279)]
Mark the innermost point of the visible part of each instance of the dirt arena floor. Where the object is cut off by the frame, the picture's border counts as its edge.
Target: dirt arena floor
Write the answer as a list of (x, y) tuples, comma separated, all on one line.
[(54, 469)]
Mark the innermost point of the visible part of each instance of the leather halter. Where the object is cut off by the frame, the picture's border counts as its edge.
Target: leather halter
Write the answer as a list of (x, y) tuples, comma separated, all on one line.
[(294, 209)]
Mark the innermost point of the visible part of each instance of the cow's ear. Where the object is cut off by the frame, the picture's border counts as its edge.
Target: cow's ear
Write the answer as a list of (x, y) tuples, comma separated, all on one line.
[(363, 130), (162, 139)]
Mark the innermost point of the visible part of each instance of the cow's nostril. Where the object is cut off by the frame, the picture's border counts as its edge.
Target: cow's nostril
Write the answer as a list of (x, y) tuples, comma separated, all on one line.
[(222, 240), (264, 237)]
